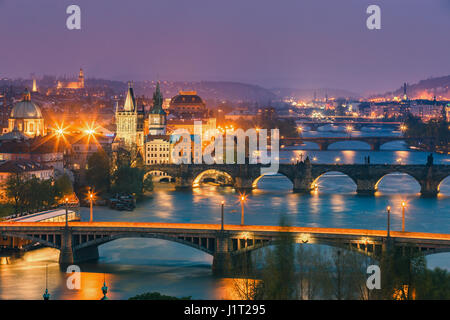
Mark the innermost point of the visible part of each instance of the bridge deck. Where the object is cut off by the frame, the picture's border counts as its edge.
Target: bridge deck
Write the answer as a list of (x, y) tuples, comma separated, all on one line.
[(174, 227)]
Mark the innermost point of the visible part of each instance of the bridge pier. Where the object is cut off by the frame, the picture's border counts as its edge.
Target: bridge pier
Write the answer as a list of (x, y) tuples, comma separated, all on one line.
[(302, 185), (222, 264), (243, 183), (429, 188), (183, 183), (375, 146), (366, 187), (66, 252)]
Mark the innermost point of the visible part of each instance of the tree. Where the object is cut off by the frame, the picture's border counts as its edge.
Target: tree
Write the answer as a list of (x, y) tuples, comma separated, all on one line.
[(148, 183), (14, 190), (434, 285), (279, 279), (129, 180), (98, 172)]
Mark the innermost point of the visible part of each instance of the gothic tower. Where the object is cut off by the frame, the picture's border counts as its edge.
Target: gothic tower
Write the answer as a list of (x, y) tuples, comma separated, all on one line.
[(81, 79), (130, 123), (157, 116)]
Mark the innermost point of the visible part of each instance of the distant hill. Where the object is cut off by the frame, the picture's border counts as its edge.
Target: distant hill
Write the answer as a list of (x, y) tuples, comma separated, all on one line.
[(211, 90), (424, 89), (308, 94)]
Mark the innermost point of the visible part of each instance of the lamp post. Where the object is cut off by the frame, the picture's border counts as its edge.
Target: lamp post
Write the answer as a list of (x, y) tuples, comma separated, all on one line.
[(242, 209), (388, 221), (222, 205), (403, 215), (66, 201), (91, 198)]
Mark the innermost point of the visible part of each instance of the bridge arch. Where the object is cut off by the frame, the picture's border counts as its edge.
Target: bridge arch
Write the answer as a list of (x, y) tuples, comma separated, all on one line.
[(158, 175), (408, 176), (209, 248), (444, 185), (352, 147), (279, 174), (228, 179), (315, 183)]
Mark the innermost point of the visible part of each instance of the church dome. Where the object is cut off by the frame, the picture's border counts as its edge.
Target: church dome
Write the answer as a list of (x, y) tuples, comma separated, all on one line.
[(26, 109), (187, 98)]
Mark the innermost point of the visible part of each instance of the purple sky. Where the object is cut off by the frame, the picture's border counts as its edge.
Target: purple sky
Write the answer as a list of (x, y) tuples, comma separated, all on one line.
[(289, 43)]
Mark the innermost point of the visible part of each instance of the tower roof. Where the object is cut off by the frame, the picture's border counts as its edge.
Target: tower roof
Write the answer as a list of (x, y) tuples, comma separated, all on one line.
[(130, 101), (26, 109), (157, 101)]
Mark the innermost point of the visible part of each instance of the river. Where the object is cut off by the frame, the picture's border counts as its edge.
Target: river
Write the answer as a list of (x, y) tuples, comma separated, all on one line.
[(133, 266)]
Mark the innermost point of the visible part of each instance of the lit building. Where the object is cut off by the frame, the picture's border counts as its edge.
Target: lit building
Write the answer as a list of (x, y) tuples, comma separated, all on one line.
[(188, 105), (40, 150), (130, 123), (35, 88), (157, 116), (72, 84), (26, 117), (26, 169), (158, 149), (208, 127)]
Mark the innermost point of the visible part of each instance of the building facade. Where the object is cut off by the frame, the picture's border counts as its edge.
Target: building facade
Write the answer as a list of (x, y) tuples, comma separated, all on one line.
[(130, 123), (26, 117)]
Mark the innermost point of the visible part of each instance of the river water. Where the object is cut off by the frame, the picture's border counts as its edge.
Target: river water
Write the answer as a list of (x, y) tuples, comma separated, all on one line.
[(133, 266)]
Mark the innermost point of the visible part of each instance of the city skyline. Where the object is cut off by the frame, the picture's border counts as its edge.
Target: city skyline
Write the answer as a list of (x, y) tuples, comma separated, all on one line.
[(299, 45)]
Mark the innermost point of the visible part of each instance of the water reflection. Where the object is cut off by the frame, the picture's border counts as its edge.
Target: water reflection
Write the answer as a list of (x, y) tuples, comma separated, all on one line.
[(134, 266)]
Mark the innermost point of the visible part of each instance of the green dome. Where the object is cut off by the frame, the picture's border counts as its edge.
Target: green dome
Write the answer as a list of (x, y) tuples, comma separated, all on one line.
[(26, 109)]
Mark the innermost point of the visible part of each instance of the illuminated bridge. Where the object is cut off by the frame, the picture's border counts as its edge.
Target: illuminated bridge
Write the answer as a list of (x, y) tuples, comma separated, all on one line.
[(79, 242), (375, 143), (305, 174)]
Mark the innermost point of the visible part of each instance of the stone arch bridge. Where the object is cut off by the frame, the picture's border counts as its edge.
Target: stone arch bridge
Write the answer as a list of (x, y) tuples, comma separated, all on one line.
[(303, 175), (375, 143), (80, 240)]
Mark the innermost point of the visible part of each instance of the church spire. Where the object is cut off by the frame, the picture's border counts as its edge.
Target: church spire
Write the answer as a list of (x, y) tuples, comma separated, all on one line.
[(157, 97), (130, 101)]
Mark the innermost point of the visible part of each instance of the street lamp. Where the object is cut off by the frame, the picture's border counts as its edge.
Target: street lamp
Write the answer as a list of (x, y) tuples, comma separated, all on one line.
[(242, 209), (389, 221), (222, 205), (349, 130), (91, 198), (66, 201), (403, 215)]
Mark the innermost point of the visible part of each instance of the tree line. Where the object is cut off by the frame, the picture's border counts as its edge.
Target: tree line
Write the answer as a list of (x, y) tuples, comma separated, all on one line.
[(122, 172), (34, 194), (436, 129)]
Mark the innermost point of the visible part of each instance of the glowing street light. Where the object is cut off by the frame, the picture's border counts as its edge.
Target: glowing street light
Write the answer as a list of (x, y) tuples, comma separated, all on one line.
[(403, 128), (388, 221), (242, 198), (349, 130), (403, 215), (337, 159), (91, 197), (66, 202), (222, 205)]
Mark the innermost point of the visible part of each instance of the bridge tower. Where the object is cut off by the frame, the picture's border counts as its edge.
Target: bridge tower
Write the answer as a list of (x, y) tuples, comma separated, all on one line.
[(303, 178)]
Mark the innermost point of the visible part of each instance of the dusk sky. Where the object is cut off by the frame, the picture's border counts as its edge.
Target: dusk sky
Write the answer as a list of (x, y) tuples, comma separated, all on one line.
[(287, 43)]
